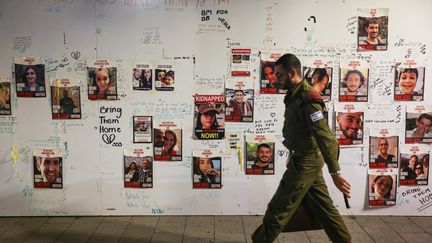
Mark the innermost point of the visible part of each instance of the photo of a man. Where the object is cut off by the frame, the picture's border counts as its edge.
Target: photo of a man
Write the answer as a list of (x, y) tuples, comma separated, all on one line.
[(421, 130), (47, 172), (264, 157), (259, 157), (381, 157), (354, 85), (413, 160), (349, 128), (239, 101), (372, 29)]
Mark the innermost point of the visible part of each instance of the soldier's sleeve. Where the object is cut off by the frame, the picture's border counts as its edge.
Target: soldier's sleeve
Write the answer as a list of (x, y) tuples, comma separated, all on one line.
[(318, 125)]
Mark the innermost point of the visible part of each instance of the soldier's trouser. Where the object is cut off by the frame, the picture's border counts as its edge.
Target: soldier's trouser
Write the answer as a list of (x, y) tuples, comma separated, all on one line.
[(302, 181)]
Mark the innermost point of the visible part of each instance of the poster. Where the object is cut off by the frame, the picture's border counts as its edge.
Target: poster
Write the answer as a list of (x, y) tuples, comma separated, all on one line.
[(138, 167), (384, 144), (319, 74), (348, 124), (414, 168), (409, 81), (65, 99), (382, 185), (30, 77), (142, 129), (164, 78), (418, 124), (372, 29), (267, 73), (354, 76), (209, 120), (240, 62), (102, 79), (207, 169), (48, 168), (260, 151), (5, 96), (142, 77), (240, 101), (167, 141)]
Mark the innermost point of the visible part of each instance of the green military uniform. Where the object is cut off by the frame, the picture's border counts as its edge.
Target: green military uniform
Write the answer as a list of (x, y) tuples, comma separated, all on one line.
[(311, 143)]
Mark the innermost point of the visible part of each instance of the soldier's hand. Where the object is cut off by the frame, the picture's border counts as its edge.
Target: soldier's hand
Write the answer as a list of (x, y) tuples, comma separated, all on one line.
[(342, 184)]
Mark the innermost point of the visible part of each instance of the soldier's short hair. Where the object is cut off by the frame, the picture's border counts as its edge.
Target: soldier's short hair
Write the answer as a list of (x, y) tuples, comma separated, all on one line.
[(288, 62)]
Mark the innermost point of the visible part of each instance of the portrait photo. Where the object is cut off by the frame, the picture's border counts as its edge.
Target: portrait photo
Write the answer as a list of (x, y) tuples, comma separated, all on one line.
[(47, 169), (349, 128), (207, 169), (353, 86), (209, 118), (383, 152), (372, 31), (102, 83), (382, 189), (65, 100), (409, 84), (260, 157), (167, 143), (320, 79), (30, 80), (418, 126)]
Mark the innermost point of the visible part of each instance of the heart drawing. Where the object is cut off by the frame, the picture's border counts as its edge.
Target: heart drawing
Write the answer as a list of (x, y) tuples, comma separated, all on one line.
[(108, 139), (75, 55)]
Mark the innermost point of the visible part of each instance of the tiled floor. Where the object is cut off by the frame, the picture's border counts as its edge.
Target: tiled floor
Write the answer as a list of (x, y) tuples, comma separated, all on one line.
[(198, 229)]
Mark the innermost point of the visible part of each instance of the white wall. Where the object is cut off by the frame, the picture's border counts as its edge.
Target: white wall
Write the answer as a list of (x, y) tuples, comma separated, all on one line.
[(116, 29)]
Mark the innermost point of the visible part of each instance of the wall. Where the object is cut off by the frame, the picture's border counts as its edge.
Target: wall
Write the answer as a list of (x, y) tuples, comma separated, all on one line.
[(66, 33)]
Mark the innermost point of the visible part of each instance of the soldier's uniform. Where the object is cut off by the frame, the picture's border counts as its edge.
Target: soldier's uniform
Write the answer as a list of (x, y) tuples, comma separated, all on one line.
[(311, 143)]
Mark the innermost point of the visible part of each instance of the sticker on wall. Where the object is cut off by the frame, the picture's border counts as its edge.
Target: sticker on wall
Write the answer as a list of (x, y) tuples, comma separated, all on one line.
[(165, 78), (138, 167), (240, 62), (414, 168), (372, 29), (167, 142), (349, 120), (240, 101), (142, 77), (267, 73), (48, 168), (206, 169), (142, 129), (5, 96), (102, 79), (65, 99), (209, 120), (319, 74), (260, 154), (382, 185), (418, 124), (384, 148), (409, 81), (354, 79), (30, 77)]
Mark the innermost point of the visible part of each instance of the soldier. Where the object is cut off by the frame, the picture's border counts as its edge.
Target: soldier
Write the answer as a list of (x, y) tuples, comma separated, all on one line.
[(311, 143)]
